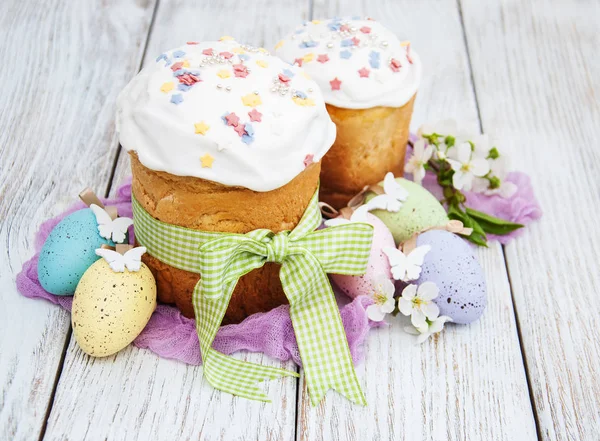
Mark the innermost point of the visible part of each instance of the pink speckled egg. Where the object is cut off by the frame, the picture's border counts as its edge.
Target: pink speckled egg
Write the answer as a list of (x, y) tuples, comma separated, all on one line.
[(354, 286)]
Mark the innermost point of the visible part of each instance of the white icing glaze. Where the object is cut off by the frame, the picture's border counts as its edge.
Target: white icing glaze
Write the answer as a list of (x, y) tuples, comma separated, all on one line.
[(192, 139), (339, 49)]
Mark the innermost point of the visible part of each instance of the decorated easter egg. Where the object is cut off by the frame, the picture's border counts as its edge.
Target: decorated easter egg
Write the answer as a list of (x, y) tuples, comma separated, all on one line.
[(452, 266), (110, 309), (419, 210), (69, 251), (354, 286)]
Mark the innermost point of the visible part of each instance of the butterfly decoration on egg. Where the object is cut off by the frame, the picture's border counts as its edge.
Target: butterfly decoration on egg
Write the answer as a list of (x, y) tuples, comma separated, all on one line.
[(109, 228), (392, 197), (406, 267), (131, 259)]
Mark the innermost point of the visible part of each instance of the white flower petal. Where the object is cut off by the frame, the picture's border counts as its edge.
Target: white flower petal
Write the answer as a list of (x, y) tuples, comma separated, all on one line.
[(426, 156), (507, 190), (417, 318), (423, 337), (411, 330), (428, 291), (409, 292), (464, 153), (405, 306), (389, 306), (456, 166), (430, 310), (375, 313), (418, 148), (462, 180), (438, 324), (418, 175), (480, 167)]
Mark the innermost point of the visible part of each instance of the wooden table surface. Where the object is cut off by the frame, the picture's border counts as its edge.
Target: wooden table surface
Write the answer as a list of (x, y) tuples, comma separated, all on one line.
[(527, 72)]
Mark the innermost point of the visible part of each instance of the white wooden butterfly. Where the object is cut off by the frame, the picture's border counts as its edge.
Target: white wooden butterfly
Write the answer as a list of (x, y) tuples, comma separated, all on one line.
[(359, 215), (406, 267), (132, 259), (111, 229), (391, 200)]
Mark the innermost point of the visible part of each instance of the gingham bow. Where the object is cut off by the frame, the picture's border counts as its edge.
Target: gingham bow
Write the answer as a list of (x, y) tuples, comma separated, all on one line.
[(305, 255)]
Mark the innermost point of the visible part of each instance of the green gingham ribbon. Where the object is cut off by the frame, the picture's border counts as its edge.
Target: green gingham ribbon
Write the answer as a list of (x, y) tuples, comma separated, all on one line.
[(305, 255)]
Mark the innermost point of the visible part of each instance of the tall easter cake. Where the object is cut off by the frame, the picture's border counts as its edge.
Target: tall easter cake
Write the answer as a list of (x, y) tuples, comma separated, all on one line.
[(369, 80), (223, 137)]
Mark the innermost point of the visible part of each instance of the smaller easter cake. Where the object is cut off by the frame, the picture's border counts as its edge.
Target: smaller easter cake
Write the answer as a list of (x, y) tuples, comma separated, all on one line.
[(369, 80), (222, 137)]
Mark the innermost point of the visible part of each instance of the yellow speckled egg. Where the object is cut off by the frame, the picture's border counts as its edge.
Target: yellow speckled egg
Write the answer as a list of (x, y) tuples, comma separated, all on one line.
[(111, 309)]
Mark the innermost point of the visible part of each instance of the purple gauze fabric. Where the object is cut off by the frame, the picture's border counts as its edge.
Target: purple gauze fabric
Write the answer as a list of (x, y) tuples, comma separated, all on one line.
[(171, 335)]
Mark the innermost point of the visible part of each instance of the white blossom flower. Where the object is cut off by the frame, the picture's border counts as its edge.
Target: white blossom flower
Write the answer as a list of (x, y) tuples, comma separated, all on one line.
[(417, 303), (498, 168), (466, 166), (448, 127), (391, 200), (384, 298), (359, 215), (421, 155), (432, 326), (406, 267)]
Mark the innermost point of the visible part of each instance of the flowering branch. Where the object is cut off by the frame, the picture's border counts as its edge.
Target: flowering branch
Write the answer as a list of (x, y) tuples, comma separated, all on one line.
[(462, 162)]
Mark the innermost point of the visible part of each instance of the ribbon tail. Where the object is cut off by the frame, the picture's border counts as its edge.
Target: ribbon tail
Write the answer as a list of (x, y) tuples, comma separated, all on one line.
[(324, 350), (239, 377)]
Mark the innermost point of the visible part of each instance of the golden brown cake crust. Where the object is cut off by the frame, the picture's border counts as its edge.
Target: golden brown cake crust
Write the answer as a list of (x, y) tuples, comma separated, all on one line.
[(204, 205), (369, 143)]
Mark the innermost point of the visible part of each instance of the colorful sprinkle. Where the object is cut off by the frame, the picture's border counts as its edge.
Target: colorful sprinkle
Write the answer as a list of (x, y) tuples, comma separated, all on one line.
[(167, 87), (162, 57), (305, 102), (231, 119), (255, 115), (207, 161), (308, 57), (335, 84), (179, 54), (262, 63), (374, 59), (223, 74), (308, 160), (323, 58), (283, 78), (191, 43), (225, 38), (251, 100), (240, 71), (345, 54), (347, 43), (307, 44), (240, 129), (177, 98), (365, 30), (201, 128), (244, 57), (355, 41), (208, 51), (279, 44), (238, 50), (226, 55), (364, 72), (288, 73), (188, 79), (316, 21), (183, 87), (177, 66), (298, 61), (395, 65)]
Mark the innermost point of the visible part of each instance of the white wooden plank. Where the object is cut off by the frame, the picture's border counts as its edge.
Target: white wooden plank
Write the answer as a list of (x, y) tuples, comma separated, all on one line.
[(137, 395), (537, 78), (60, 77), (469, 383)]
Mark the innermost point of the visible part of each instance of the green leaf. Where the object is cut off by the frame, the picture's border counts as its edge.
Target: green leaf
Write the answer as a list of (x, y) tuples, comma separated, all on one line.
[(478, 236), (492, 224)]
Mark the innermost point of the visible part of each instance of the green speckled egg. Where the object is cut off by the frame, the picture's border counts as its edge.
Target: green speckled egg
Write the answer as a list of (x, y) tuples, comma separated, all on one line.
[(111, 309), (420, 210)]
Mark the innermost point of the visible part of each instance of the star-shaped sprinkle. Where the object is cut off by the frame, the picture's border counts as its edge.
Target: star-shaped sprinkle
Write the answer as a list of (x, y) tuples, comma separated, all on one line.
[(288, 73), (251, 100), (345, 54), (262, 63), (305, 102), (255, 115), (364, 72), (279, 44), (162, 57), (208, 51), (323, 58), (186, 63), (240, 71), (244, 57), (176, 66), (188, 79), (240, 129), (374, 58), (167, 87), (347, 43), (223, 74), (283, 78), (308, 160), (201, 128), (191, 43), (355, 41), (316, 21), (207, 161), (179, 54), (344, 28), (298, 61), (395, 65), (177, 98), (365, 30), (307, 44), (308, 57), (335, 84), (238, 50), (226, 55), (248, 137), (183, 87), (226, 38), (231, 119)]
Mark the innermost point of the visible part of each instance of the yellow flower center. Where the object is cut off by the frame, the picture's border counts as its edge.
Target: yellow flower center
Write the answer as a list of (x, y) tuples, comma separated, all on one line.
[(466, 167), (379, 297)]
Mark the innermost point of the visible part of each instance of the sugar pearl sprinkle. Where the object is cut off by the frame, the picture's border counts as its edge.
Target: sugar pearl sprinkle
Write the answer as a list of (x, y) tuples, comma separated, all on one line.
[(363, 61)]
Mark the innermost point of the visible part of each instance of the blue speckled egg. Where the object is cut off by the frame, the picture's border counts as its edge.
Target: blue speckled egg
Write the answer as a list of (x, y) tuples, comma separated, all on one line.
[(451, 265), (69, 251)]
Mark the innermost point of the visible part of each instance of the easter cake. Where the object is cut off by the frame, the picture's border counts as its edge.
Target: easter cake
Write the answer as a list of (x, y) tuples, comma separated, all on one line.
[(369, 80), (223, 138)]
